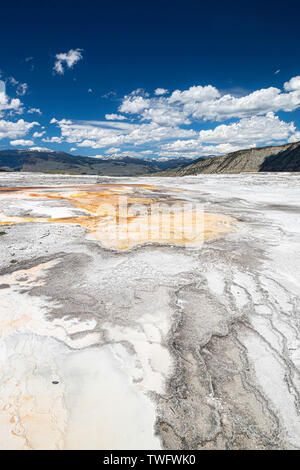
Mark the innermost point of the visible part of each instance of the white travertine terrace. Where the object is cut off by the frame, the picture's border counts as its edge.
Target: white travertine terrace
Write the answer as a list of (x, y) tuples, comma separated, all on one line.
[(156, 345)]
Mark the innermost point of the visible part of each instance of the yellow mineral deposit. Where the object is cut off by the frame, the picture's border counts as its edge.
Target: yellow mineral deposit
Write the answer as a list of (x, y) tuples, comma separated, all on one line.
[(124, 216)]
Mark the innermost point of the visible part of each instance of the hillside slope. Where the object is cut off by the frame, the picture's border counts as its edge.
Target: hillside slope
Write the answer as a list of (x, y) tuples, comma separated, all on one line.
[(269, 159)]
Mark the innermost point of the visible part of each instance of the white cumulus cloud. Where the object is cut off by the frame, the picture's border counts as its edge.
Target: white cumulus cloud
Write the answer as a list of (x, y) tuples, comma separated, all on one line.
[(55, 140), (21, 142), (160, 91), (295, 137), (109, 134), (208, 103), (195, 94), (37, 135), (66, 59), (21, 88), (7, 104), (115, 117), (293, 84), (14, 130), (34, 111), (248, 132), (134, 104)]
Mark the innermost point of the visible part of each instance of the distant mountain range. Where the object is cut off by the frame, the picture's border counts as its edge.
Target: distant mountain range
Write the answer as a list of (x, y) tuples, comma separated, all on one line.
[(61, 162), (266, 159), (283, 158)]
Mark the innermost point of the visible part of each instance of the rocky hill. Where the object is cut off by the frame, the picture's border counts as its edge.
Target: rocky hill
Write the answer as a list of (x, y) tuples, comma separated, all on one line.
[(284, 158)]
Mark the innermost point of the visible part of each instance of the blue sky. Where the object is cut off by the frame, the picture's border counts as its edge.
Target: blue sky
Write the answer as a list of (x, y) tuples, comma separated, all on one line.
[(149, 79)]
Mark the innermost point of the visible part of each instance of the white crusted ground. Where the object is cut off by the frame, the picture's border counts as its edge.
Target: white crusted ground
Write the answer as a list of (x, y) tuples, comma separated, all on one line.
[(158, 346)]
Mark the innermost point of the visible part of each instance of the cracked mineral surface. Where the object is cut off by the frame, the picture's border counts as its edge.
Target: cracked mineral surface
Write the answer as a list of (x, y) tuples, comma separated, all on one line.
[(119, 334)]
